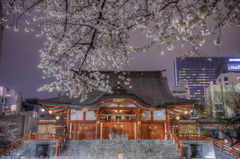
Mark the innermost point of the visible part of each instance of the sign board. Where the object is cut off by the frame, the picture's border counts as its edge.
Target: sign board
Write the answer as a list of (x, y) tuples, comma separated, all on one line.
[(233, 67), (234, 60), (120, 155)]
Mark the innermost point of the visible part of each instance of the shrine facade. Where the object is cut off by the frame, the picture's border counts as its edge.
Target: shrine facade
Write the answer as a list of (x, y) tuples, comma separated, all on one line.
[(141, 112)]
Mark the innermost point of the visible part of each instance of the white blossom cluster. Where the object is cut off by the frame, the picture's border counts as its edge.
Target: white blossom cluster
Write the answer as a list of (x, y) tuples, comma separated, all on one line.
[(93, 34), (7, 133)]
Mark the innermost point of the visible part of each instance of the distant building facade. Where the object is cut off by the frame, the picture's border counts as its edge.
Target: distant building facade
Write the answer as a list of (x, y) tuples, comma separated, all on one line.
[(181, 90), (13, 101), (219, 100), (2, 99), (199, 71), (10, 103), (228, 73)]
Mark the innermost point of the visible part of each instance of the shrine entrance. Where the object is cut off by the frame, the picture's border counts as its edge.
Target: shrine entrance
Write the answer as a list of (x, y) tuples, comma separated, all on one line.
[(119, 123)]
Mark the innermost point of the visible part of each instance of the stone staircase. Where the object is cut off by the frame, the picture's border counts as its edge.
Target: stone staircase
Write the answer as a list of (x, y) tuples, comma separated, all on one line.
[(223, 154), (132, 149), (12, 154)]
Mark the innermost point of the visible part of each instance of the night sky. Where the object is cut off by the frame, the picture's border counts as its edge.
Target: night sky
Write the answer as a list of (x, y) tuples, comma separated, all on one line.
[(20, 57)]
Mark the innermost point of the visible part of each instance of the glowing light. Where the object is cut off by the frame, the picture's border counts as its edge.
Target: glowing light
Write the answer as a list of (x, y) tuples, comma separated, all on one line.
[(57, 117), (43, 110), (238, 60), (185, 112), (50, 112), (178, 117)]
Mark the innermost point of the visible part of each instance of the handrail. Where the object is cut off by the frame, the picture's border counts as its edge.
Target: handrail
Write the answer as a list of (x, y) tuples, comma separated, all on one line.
[(32, 137), (37, 137), (192, 136), (13, 146), (225, 147), (63, 139), (176, 141)]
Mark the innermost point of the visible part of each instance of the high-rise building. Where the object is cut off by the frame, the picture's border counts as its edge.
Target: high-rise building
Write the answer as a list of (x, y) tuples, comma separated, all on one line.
[(228, 73), (199, 71)]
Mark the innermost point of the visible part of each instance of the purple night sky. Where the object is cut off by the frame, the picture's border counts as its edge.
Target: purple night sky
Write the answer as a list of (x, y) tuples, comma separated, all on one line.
[(20, 57)]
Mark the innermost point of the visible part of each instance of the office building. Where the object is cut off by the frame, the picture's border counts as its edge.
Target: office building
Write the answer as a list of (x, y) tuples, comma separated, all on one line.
[(11, 102), (181, 90), (199, 71), (220, 100), (228, 73)]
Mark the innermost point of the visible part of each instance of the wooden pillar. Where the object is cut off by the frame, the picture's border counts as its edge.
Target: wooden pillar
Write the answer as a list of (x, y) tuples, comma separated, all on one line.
[(68, 119), (139, 125), (101, 130), (96, 130), (152, 115), (222, 133), (168, 123), (97, 125), (84, 116), (74, 131), (139, 130), (57, 149)]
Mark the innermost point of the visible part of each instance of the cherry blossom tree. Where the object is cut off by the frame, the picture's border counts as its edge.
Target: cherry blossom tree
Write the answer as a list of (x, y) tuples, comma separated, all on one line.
[(7, 133), (83, 36), (223, 110)]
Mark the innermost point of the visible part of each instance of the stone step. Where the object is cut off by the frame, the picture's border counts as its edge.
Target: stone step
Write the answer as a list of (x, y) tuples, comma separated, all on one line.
[(133, 149), (224, 154)]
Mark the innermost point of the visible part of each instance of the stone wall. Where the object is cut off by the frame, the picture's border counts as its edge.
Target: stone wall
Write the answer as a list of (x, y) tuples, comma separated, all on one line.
[(28, 150), (207, 148)]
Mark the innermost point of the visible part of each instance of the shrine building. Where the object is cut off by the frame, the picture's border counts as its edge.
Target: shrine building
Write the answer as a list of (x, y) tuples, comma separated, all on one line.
[(141, 112), (138, 120)]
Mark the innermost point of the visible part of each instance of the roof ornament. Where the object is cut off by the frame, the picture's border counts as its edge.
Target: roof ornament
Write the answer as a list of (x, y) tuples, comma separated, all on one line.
[(118, 88)]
